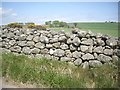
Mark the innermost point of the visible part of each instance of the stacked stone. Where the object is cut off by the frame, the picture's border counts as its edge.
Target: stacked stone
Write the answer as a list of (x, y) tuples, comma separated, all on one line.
[(81, 48)]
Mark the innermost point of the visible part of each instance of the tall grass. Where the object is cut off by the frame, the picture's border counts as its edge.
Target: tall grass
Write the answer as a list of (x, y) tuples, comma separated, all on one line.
[(56, 74)]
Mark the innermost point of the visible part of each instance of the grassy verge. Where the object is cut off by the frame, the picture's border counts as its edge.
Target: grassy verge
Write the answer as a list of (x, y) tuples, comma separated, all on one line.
[(56, 74)]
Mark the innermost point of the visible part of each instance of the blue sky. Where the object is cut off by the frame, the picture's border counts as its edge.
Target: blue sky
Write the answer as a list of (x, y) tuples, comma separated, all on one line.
[(39, 12)]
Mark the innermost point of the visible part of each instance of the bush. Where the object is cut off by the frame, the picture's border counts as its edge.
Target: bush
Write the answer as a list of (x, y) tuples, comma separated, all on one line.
[(15, 25), (30, 25), (40, 27), (33, 26)]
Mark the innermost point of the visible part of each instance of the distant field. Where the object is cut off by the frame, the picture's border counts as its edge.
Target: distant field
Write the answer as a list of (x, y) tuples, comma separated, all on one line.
[(104, 28)]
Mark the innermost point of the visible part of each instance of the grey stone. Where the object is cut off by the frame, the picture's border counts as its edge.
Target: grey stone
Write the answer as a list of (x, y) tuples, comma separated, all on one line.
[(35, 51), (10, 35), (56, 36), (99, 35), (95, 63), (49, 36), (72, 48), (111, 42), (68, 53), (26, 50), (83, 39), (47, 56), (49, 45), (44, 51), (84, 48), (87, 42), (64, 46), (21, 43), (76, 54), (95, 55), (59, 52), (54, 40), (12, 42), (76, 41), (17, 32), (51, 51), (40, 45), (114, 57), (56, 45), (87, 56), (16, 37), (0, 39), (30, 43), (55, 58), (39, 56), (62, 38), (15, 49), (36, 39), (89, 32), (73, 36), (44, 39), (78, 49), (65, 59), (107, 47), (98, 49), (69, 41), (88, 35), (82, 33), (78, 62), (108, 51), (22, 37), (85, 65), (117, 52), (75, 31), (104, 58), (90, 50), (100, 42), (29, 37)]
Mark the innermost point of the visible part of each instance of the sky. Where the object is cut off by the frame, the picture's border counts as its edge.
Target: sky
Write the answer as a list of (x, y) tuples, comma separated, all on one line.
[(39, 12)]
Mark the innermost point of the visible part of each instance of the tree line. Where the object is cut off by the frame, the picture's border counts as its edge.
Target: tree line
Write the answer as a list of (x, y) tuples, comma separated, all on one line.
[(57, 23), (49, 24)]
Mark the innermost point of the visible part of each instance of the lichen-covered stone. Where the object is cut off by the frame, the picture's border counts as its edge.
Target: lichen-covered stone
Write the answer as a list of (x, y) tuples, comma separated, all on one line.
[(104, 58), (59, 52), (87, 56)]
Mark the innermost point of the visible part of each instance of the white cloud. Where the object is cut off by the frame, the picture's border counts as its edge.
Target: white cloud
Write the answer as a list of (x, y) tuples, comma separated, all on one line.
[(0, 12), (7, 12), (14, 14)]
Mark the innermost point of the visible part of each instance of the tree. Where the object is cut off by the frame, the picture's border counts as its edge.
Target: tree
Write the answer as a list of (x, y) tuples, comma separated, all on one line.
[(30, 23), (48, 23), (56, 23), (75, 24), (63, 24)]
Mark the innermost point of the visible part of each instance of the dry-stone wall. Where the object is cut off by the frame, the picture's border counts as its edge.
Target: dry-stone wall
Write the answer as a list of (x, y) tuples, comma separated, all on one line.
[(78, 47)]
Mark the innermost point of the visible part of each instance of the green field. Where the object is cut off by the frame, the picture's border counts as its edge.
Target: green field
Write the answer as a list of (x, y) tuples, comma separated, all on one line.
[(104, 28)]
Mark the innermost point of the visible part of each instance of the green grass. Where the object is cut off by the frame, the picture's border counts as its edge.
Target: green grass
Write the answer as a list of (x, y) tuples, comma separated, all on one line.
[(56, 74), (104, 28), (59, 29)]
